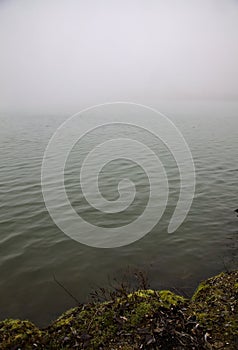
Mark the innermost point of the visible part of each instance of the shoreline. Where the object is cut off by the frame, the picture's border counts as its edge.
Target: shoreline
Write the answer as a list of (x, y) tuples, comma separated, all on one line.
[(144, 319)]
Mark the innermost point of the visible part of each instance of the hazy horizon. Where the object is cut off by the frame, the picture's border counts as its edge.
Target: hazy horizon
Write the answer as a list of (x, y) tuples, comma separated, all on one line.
[(67, 55)]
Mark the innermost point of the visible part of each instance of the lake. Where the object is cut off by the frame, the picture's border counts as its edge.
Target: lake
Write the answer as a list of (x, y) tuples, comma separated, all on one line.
[(34, 250)]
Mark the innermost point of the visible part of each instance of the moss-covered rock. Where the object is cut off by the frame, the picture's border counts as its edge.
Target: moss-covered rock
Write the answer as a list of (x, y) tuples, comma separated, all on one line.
[(96, 325), (16, 334), (215, 306), (145, 319)]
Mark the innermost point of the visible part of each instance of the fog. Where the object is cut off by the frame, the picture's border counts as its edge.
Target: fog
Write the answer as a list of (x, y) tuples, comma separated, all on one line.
[(63, 55)]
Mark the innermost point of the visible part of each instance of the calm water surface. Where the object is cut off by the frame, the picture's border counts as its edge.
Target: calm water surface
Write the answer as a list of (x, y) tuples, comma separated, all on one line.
[(33, 249)]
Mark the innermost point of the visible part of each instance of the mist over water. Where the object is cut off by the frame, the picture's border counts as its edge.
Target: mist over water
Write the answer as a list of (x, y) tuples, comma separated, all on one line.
[(58, 57), (63, 55)]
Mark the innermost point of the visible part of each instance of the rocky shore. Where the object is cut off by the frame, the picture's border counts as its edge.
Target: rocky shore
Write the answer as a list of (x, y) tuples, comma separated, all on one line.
[(145, 319)]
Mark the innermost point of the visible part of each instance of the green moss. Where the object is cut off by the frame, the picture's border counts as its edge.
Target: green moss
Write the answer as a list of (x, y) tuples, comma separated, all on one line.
[(142, 294), (170, 299), (216, 308), (16, 333), (143, 310), (64, 321), (102, 321), (163, 298), (200, 290), (144, 303), (100, 325)]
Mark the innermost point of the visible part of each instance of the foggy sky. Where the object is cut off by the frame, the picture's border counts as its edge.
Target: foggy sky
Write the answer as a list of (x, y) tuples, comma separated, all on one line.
[(69, 54)]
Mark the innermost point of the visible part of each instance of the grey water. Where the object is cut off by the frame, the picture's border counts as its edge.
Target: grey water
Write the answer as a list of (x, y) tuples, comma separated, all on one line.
[(33, 249)]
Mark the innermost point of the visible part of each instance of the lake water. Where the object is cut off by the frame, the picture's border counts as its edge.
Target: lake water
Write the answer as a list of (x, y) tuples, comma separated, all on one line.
[(33, 249)]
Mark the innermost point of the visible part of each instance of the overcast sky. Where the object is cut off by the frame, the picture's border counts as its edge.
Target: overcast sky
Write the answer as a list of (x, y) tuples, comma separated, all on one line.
[(68, 54)]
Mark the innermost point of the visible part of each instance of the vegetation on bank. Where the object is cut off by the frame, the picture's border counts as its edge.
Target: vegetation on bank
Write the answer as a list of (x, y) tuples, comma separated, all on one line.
[(145, 319)]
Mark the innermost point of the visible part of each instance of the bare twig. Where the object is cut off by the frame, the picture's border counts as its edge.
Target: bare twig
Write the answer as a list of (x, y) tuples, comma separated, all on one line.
[(67, 291)]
